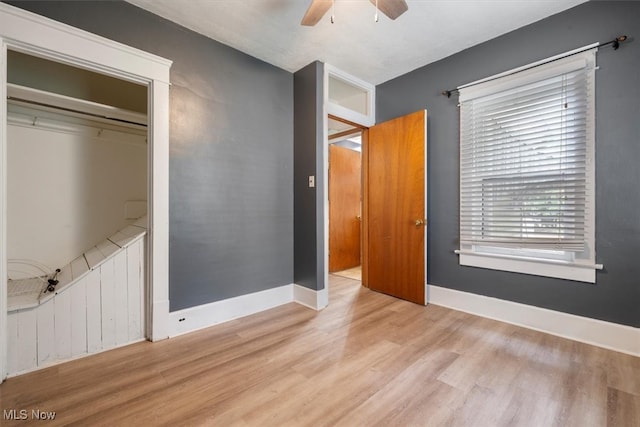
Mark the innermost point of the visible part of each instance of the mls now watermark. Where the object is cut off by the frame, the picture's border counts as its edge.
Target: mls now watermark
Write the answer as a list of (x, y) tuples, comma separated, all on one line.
[(28, 414)]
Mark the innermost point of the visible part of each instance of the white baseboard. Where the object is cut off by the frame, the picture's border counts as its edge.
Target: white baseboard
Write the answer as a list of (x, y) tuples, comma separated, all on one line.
[(203, 316), (316, 300), (159, 328), (613, 336)]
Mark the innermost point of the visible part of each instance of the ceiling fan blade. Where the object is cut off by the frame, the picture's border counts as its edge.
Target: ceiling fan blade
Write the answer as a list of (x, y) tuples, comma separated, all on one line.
[(392, 8), (316, 11)]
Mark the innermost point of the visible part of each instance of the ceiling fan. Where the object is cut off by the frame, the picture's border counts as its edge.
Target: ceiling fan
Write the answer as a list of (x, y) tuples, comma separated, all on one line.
[(317, 9)]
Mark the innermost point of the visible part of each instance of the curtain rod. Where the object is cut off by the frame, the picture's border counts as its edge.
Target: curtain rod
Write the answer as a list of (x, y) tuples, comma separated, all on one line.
[(615, 43)]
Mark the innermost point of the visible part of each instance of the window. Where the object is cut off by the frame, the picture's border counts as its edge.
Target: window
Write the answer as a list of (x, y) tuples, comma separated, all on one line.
[(527, 190), (348, 97)]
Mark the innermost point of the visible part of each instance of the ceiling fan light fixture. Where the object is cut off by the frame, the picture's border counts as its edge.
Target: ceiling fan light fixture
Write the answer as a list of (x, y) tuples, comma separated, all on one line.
[(318, 8), (333, 11)]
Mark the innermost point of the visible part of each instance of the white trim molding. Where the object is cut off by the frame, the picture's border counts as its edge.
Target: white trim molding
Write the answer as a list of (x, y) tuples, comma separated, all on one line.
[(613, 336), (585, 272), (202, 316), (62, 43), (316, 300), (206, 315), (4, 366), (338, 110)]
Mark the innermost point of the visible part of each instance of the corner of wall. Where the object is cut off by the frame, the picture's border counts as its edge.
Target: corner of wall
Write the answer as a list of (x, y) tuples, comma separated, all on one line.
[(316, 300)]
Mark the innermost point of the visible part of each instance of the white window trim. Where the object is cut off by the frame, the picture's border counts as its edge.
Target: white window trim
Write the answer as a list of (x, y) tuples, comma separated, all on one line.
[(583, 267), (577, 271)]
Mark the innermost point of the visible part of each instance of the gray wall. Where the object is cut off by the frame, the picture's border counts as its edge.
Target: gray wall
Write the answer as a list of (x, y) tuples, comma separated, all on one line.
[(616, 295), (308, 160), (231, 154)]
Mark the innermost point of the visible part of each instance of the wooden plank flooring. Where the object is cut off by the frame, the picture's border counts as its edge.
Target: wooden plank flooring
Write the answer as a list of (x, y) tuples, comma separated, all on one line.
[(366, 360)]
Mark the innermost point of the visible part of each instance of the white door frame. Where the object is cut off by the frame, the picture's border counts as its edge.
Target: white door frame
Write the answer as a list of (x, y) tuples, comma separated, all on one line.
[(39, 36), (366, 121)]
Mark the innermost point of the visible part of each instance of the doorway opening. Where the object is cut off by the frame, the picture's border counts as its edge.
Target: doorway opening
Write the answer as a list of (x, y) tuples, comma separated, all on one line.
[(393, 238), (345, 198)]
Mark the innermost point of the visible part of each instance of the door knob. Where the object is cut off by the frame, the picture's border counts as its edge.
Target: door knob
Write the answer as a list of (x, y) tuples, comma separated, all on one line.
[(420, 222)]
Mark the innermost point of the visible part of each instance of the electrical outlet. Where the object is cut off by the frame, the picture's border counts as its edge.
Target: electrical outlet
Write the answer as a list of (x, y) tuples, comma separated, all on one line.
[(312, 181)]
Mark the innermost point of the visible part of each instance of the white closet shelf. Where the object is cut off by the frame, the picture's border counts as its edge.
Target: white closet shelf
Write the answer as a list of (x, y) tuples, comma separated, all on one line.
[(45, 99)]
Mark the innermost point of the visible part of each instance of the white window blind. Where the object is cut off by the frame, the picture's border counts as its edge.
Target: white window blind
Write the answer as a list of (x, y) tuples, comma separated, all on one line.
[(527, 159)]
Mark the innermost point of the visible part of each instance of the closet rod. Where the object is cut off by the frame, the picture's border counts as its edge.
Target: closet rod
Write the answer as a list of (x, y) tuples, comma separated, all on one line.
[(71, 110)]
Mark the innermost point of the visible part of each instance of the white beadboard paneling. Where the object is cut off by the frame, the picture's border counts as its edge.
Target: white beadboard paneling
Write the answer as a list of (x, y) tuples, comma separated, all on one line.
[(135, 291), (100, 310), (12, 342), (78, 295), (108, 301), (142, 287), (27, 340), (94, 312), (62, 308), (121, 298), (46, 332)]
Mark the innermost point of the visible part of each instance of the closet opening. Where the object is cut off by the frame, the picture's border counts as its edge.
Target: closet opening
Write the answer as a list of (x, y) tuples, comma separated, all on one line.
[(77, 201)]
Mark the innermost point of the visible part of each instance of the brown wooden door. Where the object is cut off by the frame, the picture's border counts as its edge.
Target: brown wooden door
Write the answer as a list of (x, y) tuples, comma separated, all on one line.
[(344, 208), (395, 207)]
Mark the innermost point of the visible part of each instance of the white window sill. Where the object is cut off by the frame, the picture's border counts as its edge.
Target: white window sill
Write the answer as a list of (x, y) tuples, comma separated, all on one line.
[(581, 272)]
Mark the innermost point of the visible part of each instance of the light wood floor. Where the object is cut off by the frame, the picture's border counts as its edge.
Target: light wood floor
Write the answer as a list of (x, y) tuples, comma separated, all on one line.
[(354, 273), (368, 359)]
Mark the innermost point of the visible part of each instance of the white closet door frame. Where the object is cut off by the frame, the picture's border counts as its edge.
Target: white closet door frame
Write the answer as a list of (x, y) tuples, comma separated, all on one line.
[(38, 36)]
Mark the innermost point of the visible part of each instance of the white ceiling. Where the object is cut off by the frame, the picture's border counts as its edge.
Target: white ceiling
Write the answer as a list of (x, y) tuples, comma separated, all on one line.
[(375, 52)]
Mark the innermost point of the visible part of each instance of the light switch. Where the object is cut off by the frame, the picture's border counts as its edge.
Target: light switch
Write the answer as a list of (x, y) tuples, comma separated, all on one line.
[(312, 181)]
